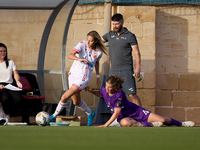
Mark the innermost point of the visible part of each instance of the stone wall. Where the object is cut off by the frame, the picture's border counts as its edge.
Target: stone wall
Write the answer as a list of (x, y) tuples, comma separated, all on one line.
[(21, 31), (178, 62)]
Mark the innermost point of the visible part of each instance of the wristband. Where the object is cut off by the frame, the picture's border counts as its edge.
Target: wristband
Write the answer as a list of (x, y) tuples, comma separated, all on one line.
[(98, 76)]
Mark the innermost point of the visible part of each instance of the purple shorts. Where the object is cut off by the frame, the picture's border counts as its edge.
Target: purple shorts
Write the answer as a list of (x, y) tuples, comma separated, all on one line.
[(141, 115)]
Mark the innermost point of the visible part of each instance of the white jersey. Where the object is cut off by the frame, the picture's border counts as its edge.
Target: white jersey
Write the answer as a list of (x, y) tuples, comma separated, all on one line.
[(6, 73), (80, 73)]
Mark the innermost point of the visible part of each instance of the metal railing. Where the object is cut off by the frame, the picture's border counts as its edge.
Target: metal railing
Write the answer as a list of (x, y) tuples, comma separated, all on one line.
[(151, 2), (91, 1)]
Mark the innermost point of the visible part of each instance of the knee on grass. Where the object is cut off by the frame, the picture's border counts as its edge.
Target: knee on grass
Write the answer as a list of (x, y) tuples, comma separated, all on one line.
[(125, 123), (129, 122)]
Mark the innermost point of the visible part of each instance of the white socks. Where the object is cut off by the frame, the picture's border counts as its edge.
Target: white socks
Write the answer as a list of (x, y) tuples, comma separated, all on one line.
[(59, 108), (83, 106)]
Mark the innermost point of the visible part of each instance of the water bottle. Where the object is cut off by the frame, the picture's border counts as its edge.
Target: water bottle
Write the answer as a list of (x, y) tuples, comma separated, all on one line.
[(137, 79)]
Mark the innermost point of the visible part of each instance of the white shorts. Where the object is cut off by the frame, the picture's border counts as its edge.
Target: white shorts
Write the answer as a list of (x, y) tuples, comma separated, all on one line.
[(77, 81)]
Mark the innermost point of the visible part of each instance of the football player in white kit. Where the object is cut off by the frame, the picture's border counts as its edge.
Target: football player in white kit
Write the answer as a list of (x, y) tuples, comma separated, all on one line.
[(86, 56)]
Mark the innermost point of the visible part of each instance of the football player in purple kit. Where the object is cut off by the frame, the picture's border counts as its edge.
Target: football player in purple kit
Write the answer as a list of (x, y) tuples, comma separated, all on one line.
[(129, 114)]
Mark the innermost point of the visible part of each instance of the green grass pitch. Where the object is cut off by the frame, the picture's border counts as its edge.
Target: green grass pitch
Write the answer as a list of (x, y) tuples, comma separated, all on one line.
[(95, 138)]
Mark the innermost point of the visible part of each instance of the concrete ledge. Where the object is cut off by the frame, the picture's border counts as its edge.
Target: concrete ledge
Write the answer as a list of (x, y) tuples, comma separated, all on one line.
[(73, 120)]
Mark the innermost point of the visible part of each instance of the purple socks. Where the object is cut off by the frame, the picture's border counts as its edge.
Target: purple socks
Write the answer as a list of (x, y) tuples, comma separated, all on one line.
[(174, 122)]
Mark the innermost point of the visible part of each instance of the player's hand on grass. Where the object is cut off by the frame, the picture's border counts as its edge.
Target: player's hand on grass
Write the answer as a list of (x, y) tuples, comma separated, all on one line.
[(103, 125)]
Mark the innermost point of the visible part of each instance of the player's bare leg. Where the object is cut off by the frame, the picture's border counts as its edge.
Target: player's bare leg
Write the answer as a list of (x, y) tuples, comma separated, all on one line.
[(69, 93), (76, 98), (135, 99), (83, 106), (154, 118), (63, 102), (129, 122)]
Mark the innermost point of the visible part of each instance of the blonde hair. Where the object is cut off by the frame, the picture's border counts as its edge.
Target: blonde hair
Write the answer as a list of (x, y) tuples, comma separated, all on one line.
[(95, 35), (116, 81)]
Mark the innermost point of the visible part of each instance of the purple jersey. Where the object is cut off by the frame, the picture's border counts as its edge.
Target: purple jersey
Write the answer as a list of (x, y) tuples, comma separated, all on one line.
[(128, 109)]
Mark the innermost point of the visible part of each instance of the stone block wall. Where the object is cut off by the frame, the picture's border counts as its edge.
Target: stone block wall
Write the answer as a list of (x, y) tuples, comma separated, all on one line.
[(21, 31), (177, 62)]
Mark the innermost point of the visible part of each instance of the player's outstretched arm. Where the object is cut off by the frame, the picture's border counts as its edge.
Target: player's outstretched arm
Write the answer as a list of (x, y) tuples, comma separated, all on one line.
[(95, 92)]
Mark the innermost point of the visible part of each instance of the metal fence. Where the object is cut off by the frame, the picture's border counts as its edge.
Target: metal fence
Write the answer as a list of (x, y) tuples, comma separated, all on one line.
[(91, 1), (149, 2)]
